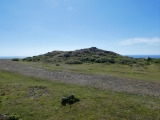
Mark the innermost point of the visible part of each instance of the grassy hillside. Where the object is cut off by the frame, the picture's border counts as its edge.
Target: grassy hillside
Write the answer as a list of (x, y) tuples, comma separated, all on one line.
[(89, 55), (31, 98), (97, 61)]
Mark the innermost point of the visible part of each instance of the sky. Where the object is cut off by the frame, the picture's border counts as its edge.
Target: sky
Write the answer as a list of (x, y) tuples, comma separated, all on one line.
[(33, 27)]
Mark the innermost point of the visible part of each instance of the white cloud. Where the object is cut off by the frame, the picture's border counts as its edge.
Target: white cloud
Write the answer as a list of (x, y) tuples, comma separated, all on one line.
[(148, 41)]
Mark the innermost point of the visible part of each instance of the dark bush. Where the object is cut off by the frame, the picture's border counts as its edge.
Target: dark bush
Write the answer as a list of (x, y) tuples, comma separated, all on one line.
[(148, 58), (112, 61), (92, 59), (15, 59), (8, 117), (69, 99), (101, 60), (73, 62), (27, 59), (13, 117), (35, 59), (67, 55), (156, 61), (57, 64)]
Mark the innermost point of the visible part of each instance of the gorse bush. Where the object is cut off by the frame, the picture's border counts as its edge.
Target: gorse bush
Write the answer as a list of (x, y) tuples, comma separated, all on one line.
[(69, 99)]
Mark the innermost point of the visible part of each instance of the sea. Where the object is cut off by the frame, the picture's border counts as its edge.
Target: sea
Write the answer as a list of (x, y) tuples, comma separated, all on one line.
[(133, 56), (143, 56), (11, 57)]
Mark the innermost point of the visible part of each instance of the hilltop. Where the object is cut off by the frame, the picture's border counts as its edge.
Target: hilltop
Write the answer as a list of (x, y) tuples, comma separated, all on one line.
[(87, 55)]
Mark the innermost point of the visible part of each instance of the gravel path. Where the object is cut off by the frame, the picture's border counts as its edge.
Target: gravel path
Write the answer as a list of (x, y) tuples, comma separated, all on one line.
[(100, 81)]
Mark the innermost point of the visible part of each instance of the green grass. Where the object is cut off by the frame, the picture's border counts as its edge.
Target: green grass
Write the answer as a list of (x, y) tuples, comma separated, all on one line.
[(146, 72), (94, 103)]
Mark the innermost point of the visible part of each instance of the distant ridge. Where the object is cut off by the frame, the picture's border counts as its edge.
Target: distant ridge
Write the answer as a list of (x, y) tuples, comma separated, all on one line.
[(86, 55)]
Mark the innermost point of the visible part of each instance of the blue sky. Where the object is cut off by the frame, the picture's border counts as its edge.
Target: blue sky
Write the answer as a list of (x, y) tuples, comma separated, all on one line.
[(33, 27)]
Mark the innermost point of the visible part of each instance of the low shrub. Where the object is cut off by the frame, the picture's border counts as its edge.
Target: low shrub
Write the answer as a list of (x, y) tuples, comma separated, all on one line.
[(8, 117), (13, 117), (73, 62), (57, 64), (29, 59), (15, 59), (69, 99)]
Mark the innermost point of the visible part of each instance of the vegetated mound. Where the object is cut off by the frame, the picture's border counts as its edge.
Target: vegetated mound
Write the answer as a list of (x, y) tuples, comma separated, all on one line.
[(88, 55)]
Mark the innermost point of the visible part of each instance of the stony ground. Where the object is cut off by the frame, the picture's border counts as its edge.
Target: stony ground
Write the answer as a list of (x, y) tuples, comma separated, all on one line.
[(100, 81)]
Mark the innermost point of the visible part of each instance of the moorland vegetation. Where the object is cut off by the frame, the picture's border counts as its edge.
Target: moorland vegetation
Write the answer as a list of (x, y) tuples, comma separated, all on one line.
[(90, 55)]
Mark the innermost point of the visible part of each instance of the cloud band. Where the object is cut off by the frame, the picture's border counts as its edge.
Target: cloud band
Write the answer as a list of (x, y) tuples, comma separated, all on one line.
[(133, 41)]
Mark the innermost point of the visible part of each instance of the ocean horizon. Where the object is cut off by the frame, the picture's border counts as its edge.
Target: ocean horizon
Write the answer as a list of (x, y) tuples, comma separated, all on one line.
[(133, 56), (11, 57), (143, 56)]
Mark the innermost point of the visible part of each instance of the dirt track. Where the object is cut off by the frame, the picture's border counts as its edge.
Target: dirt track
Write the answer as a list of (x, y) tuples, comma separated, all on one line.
[(100, 81)]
